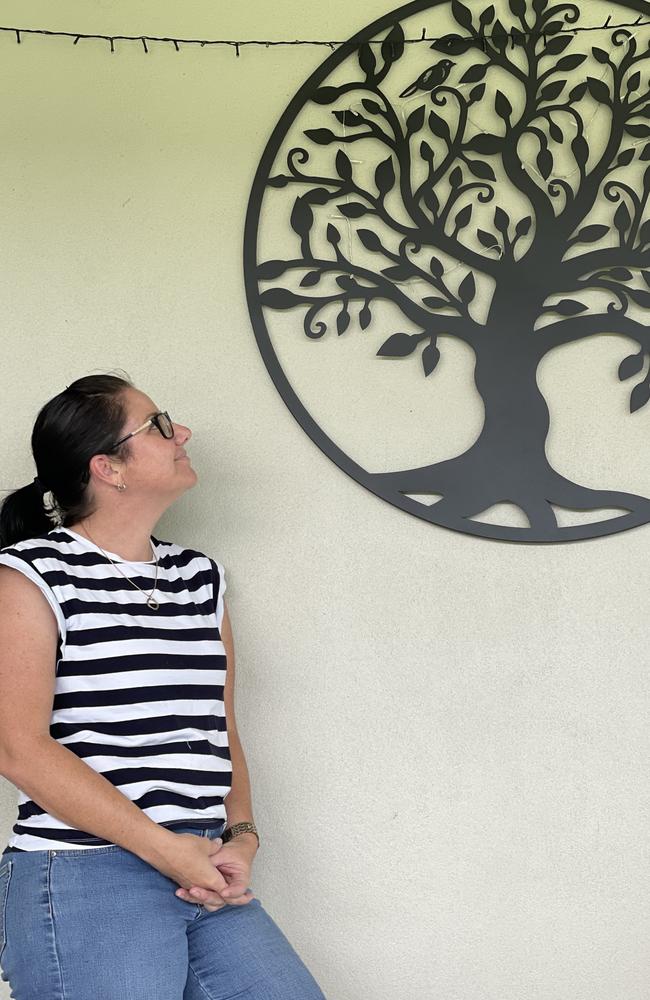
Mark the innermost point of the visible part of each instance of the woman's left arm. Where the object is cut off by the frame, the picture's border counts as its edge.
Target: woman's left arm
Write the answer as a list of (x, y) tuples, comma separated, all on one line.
[(235, 859)]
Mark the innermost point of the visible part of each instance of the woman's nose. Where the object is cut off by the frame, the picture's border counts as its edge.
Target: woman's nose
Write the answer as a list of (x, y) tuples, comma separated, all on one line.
[(182, 432)]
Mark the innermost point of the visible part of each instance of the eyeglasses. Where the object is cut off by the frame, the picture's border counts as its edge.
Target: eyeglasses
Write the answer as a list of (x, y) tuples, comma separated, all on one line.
[(161, 420)]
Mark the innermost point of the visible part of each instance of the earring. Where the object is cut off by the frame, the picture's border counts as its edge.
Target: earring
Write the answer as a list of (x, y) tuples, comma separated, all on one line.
[(121, 486)]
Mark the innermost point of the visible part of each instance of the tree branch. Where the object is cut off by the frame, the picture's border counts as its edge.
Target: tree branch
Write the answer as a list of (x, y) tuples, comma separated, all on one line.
[(576, 267), (571, 330), (463, 328)]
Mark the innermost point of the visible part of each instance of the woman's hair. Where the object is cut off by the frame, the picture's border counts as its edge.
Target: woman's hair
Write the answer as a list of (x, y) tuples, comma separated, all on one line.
[(83, 420)]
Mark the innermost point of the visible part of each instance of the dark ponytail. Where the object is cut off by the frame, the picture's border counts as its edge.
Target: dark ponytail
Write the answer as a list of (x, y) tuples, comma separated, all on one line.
[(80, 422)]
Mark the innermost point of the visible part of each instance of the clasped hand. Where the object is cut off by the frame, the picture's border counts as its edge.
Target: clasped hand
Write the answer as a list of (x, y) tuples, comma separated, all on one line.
[(234, 862)]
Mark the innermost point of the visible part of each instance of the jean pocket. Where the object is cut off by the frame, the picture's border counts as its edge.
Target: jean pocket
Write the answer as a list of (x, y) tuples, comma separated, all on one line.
[(5, 878)]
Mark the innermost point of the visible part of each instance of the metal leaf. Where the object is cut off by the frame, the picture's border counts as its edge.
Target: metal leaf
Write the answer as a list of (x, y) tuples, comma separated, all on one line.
[(436, 267), (456, 178), (485, 143), (552, 90), (558, 45), (501, 220), (365, 316), (400, 345), (392, 46), (435, 302), (333, 235), (600, 54), (639, 396), (342, 320), (622, 218), (580, 150), (349, 118), (463, 217), (476, 93), (591, 233), (638, 131), (619, 274), (568, 63), (523, 226), (385, 176), (631, 365), (397, 273), (415, 120), (503, 106), (325, 95), (353, 210), (489, 240), (279, 298), (302, 217), (598, 90), (367, 60), (343, 165), (467, 289), (462, 14), (545, 163), (454, 45), (568, 307), (321, 136), (371, 106), (370, 240), (481, 170), (271, 269), (625, 158), (474, 73), (439, 126), (430, 358)]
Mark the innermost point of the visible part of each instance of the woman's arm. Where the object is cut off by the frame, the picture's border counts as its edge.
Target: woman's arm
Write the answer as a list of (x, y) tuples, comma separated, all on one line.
[(239, 807), (235, 859)]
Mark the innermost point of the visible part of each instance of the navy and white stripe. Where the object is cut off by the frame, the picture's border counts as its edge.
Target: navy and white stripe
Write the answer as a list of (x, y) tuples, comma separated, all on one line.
[(138, 693)]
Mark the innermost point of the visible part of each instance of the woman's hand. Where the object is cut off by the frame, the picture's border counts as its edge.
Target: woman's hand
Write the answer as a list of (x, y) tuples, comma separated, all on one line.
[(234, 861)]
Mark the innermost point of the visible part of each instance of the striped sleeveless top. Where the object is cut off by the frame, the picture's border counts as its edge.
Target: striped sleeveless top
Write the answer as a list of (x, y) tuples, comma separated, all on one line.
[(138, 692)]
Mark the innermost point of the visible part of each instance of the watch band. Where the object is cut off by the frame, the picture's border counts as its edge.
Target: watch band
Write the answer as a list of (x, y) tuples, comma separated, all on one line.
[(238, 828)]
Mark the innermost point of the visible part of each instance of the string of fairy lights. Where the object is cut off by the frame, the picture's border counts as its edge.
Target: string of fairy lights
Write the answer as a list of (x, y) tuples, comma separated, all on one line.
[(146, 41)]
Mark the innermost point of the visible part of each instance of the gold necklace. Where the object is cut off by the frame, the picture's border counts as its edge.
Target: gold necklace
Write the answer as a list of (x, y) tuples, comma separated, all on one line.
[(151, 601)]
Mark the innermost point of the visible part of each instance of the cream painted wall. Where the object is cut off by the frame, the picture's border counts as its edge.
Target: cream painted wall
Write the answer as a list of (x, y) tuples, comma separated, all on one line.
[(447, 736)]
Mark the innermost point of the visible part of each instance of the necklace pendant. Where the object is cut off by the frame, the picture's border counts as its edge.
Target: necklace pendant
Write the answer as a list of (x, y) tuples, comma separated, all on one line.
[(153, 603)]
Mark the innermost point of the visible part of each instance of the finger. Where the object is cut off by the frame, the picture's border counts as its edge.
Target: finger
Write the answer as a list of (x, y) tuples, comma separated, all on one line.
[(241, 900), (235, 888), (198, 895)]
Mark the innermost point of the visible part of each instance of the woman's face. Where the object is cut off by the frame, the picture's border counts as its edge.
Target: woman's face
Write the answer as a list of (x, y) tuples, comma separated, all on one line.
[(156, 464)]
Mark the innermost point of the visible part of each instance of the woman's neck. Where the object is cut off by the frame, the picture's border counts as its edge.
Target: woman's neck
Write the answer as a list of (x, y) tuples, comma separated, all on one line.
[(129, 541)]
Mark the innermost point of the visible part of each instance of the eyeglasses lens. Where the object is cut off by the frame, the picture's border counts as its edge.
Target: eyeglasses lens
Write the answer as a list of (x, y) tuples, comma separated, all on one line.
[(166, 425)]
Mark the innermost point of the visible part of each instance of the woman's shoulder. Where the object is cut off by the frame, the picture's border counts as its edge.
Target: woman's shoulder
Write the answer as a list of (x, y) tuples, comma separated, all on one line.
[(185, 552), (48, 540)]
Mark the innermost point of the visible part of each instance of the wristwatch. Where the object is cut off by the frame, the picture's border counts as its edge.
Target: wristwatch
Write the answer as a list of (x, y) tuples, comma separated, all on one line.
[(237, 829)]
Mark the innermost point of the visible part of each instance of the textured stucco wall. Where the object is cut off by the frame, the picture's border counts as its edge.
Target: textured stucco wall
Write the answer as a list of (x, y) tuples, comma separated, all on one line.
[(447, 736)]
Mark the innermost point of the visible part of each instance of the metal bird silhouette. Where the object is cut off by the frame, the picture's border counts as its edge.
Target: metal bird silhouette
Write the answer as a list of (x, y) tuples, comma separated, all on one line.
[(431, 78)]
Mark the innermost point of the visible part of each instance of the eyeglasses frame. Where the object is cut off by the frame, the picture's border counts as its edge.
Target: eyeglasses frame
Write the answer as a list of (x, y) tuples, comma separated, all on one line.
[(152, 420)]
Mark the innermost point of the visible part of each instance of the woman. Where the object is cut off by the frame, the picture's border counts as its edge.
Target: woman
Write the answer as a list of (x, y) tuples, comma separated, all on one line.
[(126, 876)]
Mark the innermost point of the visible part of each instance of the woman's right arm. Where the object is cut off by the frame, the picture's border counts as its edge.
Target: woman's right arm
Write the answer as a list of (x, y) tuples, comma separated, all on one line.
[(53, 776)]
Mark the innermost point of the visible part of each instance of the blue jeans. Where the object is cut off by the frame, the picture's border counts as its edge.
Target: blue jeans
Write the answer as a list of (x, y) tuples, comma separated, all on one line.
[(103, 924)]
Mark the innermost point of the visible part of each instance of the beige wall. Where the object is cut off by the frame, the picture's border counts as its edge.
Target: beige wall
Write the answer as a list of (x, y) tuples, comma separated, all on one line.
[(447, 736)]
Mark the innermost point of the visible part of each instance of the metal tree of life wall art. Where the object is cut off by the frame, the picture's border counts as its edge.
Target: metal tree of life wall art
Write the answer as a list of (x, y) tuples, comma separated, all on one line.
[(429, 221)]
